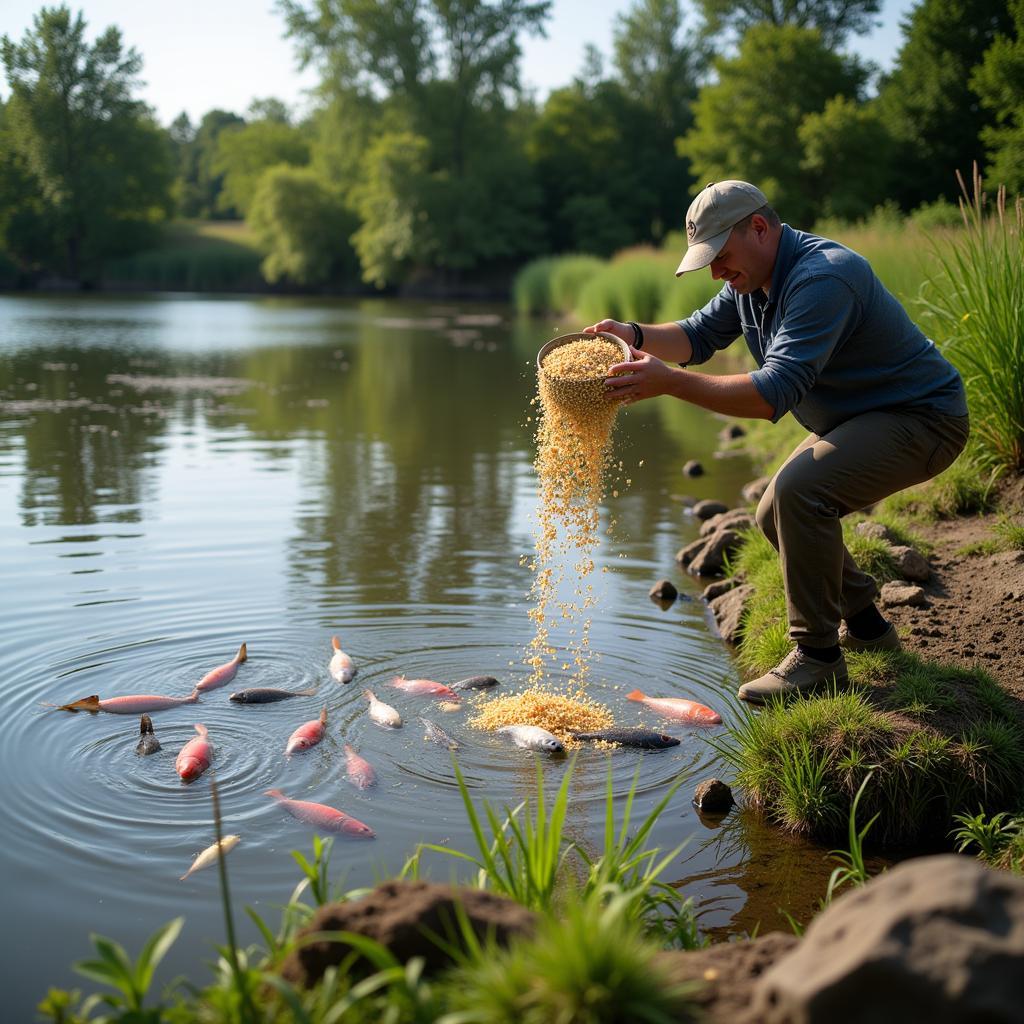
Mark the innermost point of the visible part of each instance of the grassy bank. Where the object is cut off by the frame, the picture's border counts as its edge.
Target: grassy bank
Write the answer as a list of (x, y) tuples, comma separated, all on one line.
[(192, 256)]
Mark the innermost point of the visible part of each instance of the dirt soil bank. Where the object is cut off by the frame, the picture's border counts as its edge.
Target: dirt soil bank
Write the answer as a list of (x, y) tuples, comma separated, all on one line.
[(974, 615)]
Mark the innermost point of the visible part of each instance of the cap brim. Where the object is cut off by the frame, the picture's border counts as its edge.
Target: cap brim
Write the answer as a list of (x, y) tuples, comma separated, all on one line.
[(701, 254)]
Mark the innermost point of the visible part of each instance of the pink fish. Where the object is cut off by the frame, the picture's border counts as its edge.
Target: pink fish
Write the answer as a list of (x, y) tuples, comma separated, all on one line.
[(360, 772), (321, 816), (134, 704), (342, 667), (678, 707), (224, 674), (307, 735), (194, 758), (424, 688)]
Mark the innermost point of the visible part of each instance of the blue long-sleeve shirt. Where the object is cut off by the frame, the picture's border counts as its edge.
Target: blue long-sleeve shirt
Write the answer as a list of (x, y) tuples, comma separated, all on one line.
[(830, 342)]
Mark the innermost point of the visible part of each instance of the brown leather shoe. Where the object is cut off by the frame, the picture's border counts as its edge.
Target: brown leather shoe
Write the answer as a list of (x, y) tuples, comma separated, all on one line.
[(888, 641), (796, 673)]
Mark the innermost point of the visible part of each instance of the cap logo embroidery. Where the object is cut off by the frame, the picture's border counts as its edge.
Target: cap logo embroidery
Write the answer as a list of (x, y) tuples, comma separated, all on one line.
[(691, 230)]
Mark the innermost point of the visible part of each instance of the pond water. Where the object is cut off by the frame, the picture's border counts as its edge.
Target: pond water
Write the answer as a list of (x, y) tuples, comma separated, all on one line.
[(181, 474)]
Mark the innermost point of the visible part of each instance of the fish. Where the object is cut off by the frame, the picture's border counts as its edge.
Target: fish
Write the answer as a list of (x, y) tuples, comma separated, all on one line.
[(309, 734), (381, 713), (423, 688), (359, 771), (645, 739), (449, 705), (437, 735), (210, 854), (148, 743), (224, 673), (194, 758), (475, 683), (132, 704), (268, 695), (342, 667), (688, 711), (533, 737), (320, 816)]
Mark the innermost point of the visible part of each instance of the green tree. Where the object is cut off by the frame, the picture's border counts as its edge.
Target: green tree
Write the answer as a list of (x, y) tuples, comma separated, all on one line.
[(303, 227), (846, 149), (927, 103), (999, 82), (101, 164), (835, 19), (199, 185), (246, 151), (746, 124)]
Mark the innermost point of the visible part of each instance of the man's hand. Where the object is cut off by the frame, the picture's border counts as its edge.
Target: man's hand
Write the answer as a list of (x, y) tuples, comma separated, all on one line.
[(643, 377), (621, 331)]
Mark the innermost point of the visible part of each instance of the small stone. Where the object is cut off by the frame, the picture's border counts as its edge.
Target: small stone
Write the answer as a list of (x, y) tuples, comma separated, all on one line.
[(899, 592), (875, 531), (911, 564), (663, 590), (731, 432), (693, 468), (684, 556), (707, 508), (754, 491), (712, 796), (718, 588), (711, 560), (736, 519)]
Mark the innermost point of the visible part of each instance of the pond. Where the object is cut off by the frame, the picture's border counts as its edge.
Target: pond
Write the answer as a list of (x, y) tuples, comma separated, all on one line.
[(181, 474)]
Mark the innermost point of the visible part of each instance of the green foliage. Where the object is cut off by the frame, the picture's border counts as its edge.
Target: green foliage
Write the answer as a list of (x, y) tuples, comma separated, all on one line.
[(939, 214), (926, 101), (990, 834), (736, 134), (303, 227), (976, 296), (963, 489), (568, 278), (1010, 533), (99, 167), (999, 82), (198, 186), (531, 288), (852, 869), (246, 152), (835, 19)]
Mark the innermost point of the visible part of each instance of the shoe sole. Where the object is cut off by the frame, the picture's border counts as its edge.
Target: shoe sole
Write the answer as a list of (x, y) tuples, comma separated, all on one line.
[(839, 682)]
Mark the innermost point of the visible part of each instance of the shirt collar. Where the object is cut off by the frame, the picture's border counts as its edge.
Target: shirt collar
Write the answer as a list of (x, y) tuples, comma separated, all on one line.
[(784, 259)]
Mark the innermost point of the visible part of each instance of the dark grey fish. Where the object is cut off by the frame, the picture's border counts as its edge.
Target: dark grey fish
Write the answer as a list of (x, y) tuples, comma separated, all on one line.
[(475, 683), (148, 743), (646, 739), (267, 695), (437, 735)]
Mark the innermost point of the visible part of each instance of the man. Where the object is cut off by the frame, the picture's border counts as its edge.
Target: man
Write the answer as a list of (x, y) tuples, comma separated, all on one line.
[(884, 408)]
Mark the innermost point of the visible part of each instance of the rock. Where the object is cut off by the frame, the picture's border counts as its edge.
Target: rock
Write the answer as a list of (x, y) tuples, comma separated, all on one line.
[(736, 519), (875, 531), (710, 561), (707, 508), (728, 611), (693, 468), (899, 592), (937, 939), (718, 588), (712, 796), (754, 491), (684, 556), (726, 973), (663, 590), (911, 564), (731, 432), (397, 914)]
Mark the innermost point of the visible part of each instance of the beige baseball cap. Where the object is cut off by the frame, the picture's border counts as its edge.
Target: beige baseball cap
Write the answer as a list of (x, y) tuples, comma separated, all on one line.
[(712, 215)]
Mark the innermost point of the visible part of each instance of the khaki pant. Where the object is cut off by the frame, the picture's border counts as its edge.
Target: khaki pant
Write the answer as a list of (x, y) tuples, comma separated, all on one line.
[(860, 462)]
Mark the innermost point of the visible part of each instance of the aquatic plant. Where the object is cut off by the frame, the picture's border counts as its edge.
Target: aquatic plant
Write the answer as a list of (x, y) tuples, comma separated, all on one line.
[(531, 288), (852, 869)]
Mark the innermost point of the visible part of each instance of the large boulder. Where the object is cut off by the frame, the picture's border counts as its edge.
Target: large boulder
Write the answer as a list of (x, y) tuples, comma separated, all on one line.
[(728, 610), (936, 939), (401, 916)]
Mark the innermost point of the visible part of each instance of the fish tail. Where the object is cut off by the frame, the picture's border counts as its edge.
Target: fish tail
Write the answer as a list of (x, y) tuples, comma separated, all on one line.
[(369, 695), (202, 730), (335, 643), (323, 716), (242, 655), (85, 704), (184, 876), (348, 748), (306, 693), (635, 695), (146, 725), (193, 697), (275, 793)]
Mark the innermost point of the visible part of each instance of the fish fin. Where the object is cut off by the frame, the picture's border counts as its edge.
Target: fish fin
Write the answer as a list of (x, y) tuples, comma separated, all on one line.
[(242, 655), (305, 693), (335, 643), (202, 730), (85, 704), (635, 695), (369, 695), (276, 793), (323, 716)]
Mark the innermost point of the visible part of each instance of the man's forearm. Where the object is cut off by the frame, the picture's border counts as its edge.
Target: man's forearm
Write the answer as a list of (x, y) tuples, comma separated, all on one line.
[(668, 342), (732, 395)]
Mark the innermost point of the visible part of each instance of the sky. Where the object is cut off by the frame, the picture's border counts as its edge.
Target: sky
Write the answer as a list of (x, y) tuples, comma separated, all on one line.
[(201, 54)]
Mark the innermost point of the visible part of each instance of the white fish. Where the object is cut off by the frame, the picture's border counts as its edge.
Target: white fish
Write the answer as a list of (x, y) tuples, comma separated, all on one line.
[(210, 854), (533, 737), (342, 667), (381, 713)]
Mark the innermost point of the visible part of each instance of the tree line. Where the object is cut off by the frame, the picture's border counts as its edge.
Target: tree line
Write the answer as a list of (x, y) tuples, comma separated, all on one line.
[(424, 158)]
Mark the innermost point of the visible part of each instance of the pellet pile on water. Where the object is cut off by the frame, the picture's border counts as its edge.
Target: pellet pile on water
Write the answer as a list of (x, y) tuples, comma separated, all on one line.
[(561, 714)]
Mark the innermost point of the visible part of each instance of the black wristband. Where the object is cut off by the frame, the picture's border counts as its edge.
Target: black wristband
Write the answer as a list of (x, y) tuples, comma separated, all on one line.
[(638, 334)]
